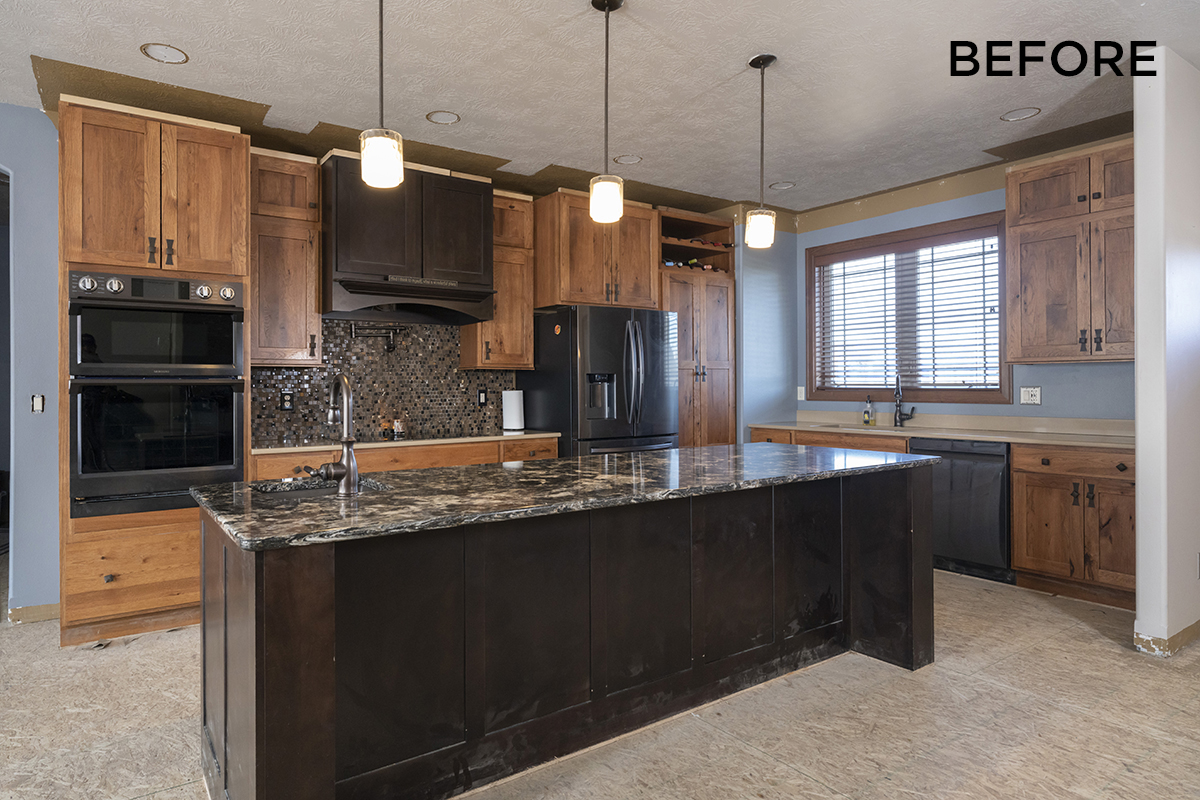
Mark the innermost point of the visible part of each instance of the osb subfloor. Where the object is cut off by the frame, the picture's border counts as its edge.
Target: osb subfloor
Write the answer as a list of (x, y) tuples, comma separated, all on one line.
[(1031, 697)]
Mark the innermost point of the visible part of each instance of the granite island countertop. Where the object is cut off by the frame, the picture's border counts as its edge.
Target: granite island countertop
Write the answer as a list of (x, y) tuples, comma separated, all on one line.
[(444, 497)]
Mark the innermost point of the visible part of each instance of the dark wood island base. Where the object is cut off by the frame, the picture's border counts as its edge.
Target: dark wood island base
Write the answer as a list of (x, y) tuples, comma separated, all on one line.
[(424, 663)]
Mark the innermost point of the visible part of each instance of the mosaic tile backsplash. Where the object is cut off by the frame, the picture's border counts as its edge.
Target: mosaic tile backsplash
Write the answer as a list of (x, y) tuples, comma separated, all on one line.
[(421, 378)]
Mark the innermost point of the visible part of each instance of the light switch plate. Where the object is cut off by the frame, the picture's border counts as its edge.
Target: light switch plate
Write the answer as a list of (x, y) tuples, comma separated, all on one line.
[(1031, 395), (799, 392)]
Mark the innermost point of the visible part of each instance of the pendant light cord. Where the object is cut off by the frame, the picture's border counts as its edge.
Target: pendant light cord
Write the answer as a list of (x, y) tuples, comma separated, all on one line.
[(604, 168), (380, 63), (762, 134)]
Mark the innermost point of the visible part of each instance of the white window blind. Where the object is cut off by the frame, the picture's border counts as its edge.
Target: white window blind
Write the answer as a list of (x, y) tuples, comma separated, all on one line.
[(928, 313)]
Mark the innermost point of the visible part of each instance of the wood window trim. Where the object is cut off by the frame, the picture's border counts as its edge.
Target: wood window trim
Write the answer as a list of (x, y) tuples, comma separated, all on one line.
[(888, 242)]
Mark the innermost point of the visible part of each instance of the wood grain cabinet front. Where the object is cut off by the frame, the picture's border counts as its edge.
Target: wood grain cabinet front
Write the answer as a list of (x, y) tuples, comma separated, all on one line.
[(285, 187), (141, 194), (703, 303), (277, 465), (529, 450), (506, 340), (285, 275)]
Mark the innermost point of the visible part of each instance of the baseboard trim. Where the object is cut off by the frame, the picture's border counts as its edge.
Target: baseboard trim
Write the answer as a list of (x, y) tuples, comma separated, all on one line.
[(144, 623), (1170, 646), (23, 614), (1104, 595)]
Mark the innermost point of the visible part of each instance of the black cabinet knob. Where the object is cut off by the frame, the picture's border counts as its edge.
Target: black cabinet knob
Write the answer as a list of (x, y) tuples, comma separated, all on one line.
[(1121, 467), (1095, 195), (533, 452), (1045, 462), (312, 205), (1083, 198), (109, 578)]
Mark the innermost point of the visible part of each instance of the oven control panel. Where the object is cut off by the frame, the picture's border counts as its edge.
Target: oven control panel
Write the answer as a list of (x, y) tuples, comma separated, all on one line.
[(142, 289)]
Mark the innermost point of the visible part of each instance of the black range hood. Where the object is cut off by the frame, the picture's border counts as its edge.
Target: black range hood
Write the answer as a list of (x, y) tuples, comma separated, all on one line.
[(421, 252)]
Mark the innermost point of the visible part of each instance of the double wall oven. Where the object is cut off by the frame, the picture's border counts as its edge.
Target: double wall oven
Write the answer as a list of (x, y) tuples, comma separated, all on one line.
[(157, 382)]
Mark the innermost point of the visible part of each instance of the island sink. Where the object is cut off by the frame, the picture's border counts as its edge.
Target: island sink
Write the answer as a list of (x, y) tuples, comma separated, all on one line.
[(456, 625)]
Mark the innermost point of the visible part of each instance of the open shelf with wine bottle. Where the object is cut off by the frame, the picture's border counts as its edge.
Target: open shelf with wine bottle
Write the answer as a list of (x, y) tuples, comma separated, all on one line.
[(695, 240)]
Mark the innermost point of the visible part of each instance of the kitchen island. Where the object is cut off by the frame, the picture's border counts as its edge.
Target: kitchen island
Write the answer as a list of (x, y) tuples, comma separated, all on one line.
[(451, 626)]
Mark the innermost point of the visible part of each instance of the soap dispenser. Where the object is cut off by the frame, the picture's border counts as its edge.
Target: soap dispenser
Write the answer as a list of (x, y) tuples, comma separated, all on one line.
[(869, 412)]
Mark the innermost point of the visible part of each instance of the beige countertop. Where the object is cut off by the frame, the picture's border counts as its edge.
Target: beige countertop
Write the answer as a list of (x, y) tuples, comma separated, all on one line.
[(316, 448), (1115, 434)]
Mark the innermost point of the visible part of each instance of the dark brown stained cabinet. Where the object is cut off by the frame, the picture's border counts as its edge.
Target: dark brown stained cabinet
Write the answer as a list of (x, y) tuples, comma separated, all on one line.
[(137, 193), (456, 237), (810, 592), (284, 187), (1069, 260), (368, 232), (579, 261), (1073, 522), (285, 273)]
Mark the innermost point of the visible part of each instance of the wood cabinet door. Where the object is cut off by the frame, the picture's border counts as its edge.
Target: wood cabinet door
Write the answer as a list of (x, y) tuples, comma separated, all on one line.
[(1111, 534), (635, 248), (680, 294), (717, 381), (1112, 285), (583, 260), (512, 222), (285, 318), (370, 232), (1049, 298), (456, 232), (1048, 191), (110, 188), (1047, 532), (777, 435), (1112, 178), (283, 187), (506, 340), (205, 200)]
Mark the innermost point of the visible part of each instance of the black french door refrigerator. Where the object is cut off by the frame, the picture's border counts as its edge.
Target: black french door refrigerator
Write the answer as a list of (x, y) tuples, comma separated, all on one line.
[(606, 379)]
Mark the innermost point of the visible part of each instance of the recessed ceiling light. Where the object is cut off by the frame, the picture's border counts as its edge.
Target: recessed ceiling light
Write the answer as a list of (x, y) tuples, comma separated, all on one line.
[(164, 53), (783, 185), (1018, 114), (442, 117), (628, 159)]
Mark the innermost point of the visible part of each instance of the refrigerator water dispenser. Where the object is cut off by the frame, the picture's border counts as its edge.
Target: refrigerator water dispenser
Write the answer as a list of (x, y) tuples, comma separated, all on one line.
[(601, 395)]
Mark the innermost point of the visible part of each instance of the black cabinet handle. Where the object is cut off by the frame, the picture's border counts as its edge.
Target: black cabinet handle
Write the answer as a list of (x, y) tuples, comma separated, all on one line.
[(607, 292), (170, 251), (1083, 340), (312, 345), (1095, 195), (109, 578), (532, 452), (152, 252), (769, 439), (1045, 462), (1121, 467), (616, 292), (704, 374), (312, 205), (1097, 340), (1091, 495), (1083, 198), (1075, 494)]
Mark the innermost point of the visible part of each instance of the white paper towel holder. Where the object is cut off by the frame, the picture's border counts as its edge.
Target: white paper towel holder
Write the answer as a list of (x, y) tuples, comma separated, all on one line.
[(513, 411)]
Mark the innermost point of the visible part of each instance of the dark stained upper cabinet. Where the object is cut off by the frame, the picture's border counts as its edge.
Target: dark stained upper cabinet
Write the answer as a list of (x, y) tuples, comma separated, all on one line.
[(370, 232), (457, 230)]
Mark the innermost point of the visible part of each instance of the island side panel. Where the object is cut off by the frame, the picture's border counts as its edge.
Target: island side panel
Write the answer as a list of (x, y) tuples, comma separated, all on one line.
[(888, 562), (808, 544)]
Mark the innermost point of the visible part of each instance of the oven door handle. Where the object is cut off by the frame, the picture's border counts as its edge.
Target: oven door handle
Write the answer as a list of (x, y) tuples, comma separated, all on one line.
[(236, 312), (237, 383)]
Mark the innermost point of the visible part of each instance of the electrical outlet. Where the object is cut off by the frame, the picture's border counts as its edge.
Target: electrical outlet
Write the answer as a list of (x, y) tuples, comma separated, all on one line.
[(799, 392), (1031, 395), (482, 398), (287, 401), (38, 404)]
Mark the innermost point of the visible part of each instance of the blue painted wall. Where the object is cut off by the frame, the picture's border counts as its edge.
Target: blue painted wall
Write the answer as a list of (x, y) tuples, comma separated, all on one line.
[(1093, 391), (29, 153)]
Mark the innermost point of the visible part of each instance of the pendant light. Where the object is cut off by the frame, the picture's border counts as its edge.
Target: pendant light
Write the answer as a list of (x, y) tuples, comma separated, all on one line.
[(381, 150), (607, 191), (760, 222)]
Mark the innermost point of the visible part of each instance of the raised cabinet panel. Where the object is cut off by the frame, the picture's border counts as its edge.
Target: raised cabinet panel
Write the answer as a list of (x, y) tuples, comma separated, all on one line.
[(400, 669), (1048, 535), (810, 588), (205, 177), (635, 244), (680, 294), (777, 435), (585, 275), (1047, 192), (456, 230), (718, 382), (535, 622), (110, 188), (370, 231), (282, 187), (1112, 178), (1049, 293), (506, 340), (851, 441), (512, 222), (529, 450), (1111, 533), (285, 321), (1112, 286)]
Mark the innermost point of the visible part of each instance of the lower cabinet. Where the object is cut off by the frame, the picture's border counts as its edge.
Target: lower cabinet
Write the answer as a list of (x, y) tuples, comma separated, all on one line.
[(848, 441), (1074, 522)]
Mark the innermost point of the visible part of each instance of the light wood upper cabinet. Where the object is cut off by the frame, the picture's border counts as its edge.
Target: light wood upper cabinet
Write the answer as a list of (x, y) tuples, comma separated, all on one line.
[(282, 187), (142, 194), (506, 340), (579, 261), (512, 222), (285, 318), (205, 177), (1070, 279), (110, 188)]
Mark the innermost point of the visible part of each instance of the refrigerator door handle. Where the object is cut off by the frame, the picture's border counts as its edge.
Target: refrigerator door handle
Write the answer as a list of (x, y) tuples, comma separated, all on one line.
[(630, 366), (641, 356)]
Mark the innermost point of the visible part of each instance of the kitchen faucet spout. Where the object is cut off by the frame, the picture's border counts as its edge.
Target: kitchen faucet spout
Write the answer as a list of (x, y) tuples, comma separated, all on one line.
[(900, 417), (341, 409)]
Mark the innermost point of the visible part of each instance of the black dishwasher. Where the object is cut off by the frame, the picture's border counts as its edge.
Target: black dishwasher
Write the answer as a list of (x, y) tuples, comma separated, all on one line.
[(970, 506)]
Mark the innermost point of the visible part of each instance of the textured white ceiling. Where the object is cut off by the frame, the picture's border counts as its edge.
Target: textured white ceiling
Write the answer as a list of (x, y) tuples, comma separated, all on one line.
[(860, 100)]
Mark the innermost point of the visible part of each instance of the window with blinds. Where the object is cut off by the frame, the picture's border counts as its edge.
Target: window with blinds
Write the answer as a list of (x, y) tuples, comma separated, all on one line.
[(922, 304)]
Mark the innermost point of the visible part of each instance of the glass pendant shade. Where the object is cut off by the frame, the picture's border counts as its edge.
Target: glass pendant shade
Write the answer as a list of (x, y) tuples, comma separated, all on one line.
[(607, 198), (760, 228), (382, 153)]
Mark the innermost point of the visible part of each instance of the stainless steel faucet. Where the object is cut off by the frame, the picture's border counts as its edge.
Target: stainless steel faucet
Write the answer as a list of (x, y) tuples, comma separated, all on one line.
[(341, 409), (900, 417)]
